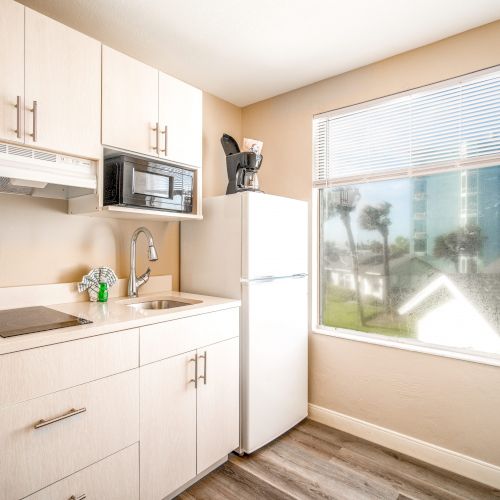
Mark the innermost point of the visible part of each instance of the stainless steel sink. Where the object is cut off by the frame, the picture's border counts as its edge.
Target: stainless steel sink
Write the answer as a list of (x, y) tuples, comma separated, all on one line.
[(162, 304)]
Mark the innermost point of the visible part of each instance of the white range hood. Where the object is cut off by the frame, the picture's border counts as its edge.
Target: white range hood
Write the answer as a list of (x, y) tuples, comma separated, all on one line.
[(24, 170)]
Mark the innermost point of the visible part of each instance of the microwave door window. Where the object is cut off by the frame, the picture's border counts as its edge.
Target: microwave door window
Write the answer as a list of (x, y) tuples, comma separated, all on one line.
[(154, 185)]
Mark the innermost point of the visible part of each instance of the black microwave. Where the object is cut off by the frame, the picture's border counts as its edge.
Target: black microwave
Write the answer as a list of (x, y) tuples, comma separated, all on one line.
[(138, 182)]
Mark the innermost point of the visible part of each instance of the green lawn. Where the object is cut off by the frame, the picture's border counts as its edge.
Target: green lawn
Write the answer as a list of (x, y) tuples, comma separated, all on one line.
[(340, 310)]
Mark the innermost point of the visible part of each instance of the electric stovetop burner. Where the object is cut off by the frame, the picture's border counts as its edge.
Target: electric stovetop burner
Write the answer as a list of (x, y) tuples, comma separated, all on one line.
[(35, 319)]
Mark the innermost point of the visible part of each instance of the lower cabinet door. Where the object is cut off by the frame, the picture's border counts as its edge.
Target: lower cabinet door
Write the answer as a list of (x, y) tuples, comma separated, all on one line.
[(218, 422), (168, 425), (114, 478)]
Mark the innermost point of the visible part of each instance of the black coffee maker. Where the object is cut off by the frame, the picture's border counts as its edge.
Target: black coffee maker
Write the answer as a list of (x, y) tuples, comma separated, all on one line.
[(242, 167)]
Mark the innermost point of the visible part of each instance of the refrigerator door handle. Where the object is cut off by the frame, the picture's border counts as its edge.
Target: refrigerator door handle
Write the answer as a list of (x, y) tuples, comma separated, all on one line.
[(261, 279), (265, 279)]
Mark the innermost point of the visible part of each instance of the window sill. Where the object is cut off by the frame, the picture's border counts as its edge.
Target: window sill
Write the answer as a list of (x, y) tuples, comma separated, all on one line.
[(408, 345)]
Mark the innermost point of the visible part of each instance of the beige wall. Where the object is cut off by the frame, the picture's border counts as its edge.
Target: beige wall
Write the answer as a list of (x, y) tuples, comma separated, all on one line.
[(454, 404), (41, 243)]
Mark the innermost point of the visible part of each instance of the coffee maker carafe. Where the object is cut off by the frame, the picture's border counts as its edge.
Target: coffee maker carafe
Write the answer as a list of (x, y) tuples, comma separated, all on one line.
[(242, 167), (250, 180)]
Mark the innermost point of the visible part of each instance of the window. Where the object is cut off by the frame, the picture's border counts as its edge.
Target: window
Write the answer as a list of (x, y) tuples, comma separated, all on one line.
[(409, 216)]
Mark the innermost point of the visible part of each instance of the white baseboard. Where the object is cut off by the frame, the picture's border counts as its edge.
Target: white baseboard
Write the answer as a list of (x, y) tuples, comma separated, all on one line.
[(464, 465)]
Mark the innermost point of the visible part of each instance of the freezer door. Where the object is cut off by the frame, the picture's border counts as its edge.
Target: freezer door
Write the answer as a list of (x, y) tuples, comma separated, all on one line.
[(274, 236), (273, 359)]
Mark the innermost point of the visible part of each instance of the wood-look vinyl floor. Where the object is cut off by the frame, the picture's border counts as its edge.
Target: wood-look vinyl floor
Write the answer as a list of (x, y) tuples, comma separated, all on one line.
[(313, 461)]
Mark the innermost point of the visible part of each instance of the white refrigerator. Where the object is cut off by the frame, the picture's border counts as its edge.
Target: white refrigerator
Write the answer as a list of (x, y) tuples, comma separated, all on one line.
[(253, 247)]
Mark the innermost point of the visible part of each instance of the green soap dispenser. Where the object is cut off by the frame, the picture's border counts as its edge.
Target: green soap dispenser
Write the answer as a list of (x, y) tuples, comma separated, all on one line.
[(103, 292)]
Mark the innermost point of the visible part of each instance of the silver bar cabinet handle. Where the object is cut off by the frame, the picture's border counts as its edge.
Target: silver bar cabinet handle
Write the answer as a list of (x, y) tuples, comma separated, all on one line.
[(195, 379), (79, 497), (165, 132), (70, 413), (204, 376), (34, 110), (18, 106), (157, 134)]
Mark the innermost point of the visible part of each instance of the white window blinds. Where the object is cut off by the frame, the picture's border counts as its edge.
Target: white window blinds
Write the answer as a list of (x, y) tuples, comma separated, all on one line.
[(452, 124)]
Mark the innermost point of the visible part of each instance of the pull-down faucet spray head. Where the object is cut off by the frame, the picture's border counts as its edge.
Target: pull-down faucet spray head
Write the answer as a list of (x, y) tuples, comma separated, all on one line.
[(152, 255)]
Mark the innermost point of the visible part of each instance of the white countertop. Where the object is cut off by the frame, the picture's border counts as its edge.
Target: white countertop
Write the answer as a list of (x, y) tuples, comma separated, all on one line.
[(113, 316)]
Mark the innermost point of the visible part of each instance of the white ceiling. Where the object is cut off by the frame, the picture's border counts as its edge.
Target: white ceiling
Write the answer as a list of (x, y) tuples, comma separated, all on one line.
[(246, 51)]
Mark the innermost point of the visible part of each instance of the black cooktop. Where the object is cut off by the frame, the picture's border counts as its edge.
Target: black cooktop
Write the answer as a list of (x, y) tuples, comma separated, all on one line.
[(35, 319)]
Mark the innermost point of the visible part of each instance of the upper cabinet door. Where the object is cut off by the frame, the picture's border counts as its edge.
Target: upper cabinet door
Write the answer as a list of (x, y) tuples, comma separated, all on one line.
[(180, 121), (12, 70), (218, 402), (63, 87), (129, 103)]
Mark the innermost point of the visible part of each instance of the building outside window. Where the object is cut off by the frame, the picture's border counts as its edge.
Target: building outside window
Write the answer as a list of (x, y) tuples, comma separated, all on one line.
[(409, 216)]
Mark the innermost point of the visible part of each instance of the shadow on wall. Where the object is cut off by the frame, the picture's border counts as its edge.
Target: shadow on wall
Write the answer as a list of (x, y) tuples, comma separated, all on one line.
[(68, 275), (40, 243)]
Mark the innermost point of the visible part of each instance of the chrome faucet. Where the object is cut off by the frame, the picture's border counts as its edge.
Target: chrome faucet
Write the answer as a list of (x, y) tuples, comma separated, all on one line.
[(135, 282)]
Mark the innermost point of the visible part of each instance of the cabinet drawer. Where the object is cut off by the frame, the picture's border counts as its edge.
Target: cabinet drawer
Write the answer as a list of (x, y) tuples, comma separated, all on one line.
[(167, 339), (44, 370), (36, 457), (114, 478)]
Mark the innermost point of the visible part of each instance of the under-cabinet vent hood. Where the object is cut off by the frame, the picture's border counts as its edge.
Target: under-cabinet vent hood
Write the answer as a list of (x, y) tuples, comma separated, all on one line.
[(24, 170)]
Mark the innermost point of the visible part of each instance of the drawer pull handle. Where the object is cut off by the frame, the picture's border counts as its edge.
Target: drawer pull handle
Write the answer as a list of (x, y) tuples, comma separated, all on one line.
[(70, 413), (204, 376), (79, 497)]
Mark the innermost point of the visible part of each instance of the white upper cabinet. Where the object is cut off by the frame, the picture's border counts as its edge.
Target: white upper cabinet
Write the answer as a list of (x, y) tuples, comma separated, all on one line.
[(63, 87), (148, 112), (129, 103), (50, 94), (12, 70), (50, 86), (180, 118)]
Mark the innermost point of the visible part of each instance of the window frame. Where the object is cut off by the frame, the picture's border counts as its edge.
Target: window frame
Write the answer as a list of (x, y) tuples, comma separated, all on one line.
[(372, 338)]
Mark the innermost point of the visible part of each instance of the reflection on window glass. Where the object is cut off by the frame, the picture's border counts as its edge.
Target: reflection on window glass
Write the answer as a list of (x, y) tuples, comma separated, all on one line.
[(417, 258)]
